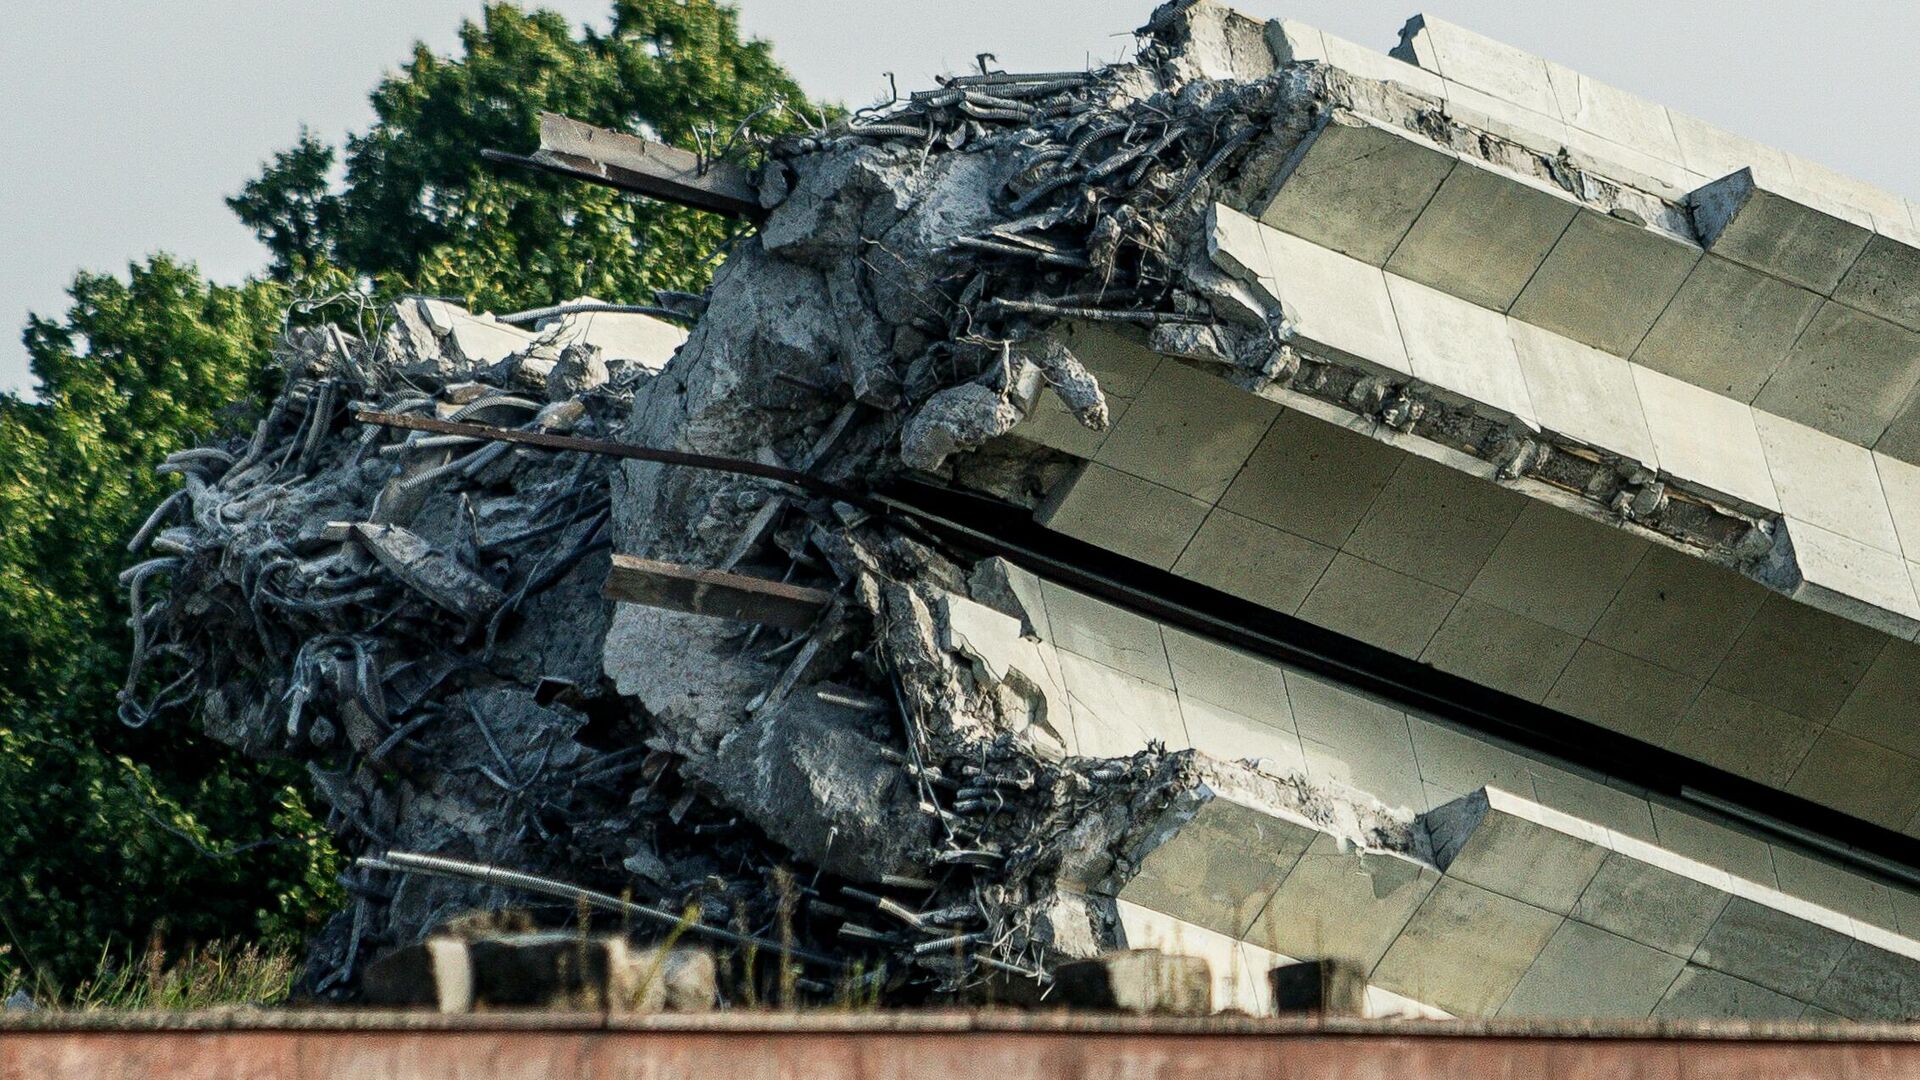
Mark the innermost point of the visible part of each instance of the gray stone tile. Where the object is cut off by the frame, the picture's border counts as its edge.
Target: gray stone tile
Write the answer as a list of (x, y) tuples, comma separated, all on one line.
[(1189, 431), (1482, 235), (1219, 869), (1459, 762), (1746, 857), (1728, 328), (1779, 951), (1313, 479), (1793, 657), (1111, 635), (1704, 994), (1255, 562), (1741, 220), (1499, 649), (1881, 707), (1465, 949), (1859, 778), (1124, 514), (1650, 905), (1881, 281), (1356, 186), (1679, 611), (1379, 606), (1623, 693), (1872, 984), (1342, 904), (1743, 736), (1848, 375), (1579, 292), (1247, 684), (1586, 972), (1830, 886), (1588, 799), (1435, 523), (1532, 863), (1558, 568)]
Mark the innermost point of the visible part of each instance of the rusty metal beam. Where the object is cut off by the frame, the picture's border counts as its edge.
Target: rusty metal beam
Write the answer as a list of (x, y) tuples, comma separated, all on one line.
[(698, 591), (631, 163)]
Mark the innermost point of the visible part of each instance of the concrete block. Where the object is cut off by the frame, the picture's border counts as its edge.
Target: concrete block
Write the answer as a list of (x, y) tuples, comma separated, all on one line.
[(1494, 840), (1336, 305), (1582, 393), (1462, 56), (1612, 113), (1728, 328), (436, 973), (1317, 480), (1122, 367), (1209, 671), (1715, 152), (1188, 431), (1622, 693), (1116, 714), (1849, 375), (1650, 905), (1800, 659), (1704, 994), (1319, 988), (1678, 611), (1880, 709), (1827, 481), (1841, 575), (1377, 605), (1856, 777), (1885, 281), (1110, 635), (1356, 186), (1900, 486), (1220, 866), (1483, 234), (1465, 948), (1743, 736), (1435, 524), (1584, 289), (1586, 972), (1771, 948), (1143, 981), (1126, 515), (1461, 350), (1294, 42), (1872, 984), (1342, 903), (1557, 568), (1499, 649), (1708, 442), (1256, 562), (1737, 218)]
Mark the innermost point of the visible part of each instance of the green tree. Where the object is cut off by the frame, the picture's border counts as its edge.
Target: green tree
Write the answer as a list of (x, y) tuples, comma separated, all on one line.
[(106, 831), (422, 210)]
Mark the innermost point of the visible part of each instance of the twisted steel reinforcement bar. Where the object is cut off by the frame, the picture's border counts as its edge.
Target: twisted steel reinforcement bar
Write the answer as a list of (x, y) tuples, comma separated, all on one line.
[(228, 1045)]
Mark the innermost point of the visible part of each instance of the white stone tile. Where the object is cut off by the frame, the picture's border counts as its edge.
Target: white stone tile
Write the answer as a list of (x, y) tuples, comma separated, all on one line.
[(1144, 928), (1820, 882), (1613, 113), (1335, 303), (1630, 165), (1827, 481), (1383, 1004), (1705, 440), (1370, 64), (1537, 131), (1464, 351), (1294, 42), (1900, 484), (1116, 714), (1229, 736), (994, 641), (1110, 635), (1621, 813), (1487, 65), (1352, 740), (1545, 864), (1865, 584), (1716, 153), (1880, 709), (1834, 184), (1235, 245), (1583, 393)]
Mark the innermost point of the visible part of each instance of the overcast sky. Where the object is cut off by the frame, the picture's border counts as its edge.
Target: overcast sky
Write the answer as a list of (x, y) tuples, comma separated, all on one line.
[(123, 123)]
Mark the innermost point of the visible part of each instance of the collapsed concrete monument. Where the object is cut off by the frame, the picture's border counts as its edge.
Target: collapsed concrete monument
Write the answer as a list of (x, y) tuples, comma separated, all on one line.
[(1270, 500)]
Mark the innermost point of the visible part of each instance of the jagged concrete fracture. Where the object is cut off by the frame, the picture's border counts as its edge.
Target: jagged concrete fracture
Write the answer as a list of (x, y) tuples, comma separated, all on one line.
[(1098, 297)]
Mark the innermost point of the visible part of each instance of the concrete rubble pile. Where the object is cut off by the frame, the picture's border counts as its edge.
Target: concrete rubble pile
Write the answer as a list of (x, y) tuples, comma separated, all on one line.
[(800, 719)]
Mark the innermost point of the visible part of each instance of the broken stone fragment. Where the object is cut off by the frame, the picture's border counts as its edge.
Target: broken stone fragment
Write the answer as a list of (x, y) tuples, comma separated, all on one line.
[(430, 572), (1144, 981)]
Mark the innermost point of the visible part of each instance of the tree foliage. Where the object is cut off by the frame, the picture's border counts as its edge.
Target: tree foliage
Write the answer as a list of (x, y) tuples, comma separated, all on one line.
[(106, 831)]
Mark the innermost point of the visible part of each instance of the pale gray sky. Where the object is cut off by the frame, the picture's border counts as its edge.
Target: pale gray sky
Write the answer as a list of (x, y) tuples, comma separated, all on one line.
[(123, 123)]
